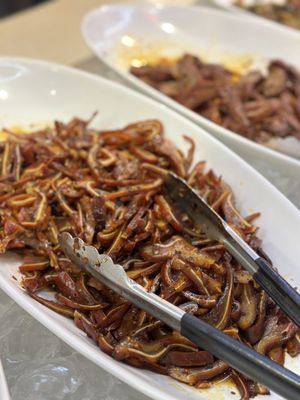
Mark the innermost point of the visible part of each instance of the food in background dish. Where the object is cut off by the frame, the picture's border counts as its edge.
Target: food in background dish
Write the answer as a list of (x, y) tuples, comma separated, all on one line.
[(286, 12), (106, 187), (260, 108)]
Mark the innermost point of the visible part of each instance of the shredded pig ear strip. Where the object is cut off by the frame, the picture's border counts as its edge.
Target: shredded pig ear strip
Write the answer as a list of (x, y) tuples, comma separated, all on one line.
[(106, 187)]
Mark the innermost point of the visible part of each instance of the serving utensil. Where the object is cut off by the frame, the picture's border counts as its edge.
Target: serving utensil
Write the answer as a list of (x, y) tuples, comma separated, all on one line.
[(4, 393), (208, 221), (235, 353)]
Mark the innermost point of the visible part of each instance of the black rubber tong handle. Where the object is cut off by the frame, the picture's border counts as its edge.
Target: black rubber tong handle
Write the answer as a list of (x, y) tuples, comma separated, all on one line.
[(277, 287)]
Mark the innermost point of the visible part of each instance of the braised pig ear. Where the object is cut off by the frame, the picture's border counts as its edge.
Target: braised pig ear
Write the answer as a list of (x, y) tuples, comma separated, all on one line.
[(255, 332), (293, 345), (60, 309), (276, 334), (248, 307), (192, 376), (241, 383), (187, 359), (150, 352), (177, 246), (107, 187), (219, 316)]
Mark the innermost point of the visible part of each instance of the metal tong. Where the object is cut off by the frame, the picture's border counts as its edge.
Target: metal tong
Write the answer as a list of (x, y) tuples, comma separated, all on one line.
[(239, 356), (208, 221)]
